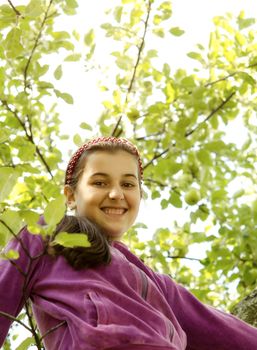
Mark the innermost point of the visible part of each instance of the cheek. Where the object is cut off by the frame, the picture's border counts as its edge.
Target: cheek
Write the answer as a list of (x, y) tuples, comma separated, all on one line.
[(83, 201), (135, 202)]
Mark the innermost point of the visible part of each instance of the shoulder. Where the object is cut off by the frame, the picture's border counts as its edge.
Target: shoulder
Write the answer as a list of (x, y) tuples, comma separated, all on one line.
[(159, 279)]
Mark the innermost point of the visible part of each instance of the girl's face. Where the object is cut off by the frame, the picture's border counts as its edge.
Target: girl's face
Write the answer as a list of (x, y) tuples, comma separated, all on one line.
[(108, 191)]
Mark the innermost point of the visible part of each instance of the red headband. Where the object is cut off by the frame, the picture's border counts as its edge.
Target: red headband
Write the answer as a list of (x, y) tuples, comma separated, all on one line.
[(105, 140)]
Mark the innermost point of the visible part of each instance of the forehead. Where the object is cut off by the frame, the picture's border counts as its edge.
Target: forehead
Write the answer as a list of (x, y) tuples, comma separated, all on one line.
[(111, 162)]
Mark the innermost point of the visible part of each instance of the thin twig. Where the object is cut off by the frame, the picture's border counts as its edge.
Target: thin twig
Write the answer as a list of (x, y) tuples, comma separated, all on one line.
[(28, 135), (52, 329), (12, 318), (147, 180), (229, 75), (14, 8), (140, 50), (32, 327), (156, 157), (116, 126), (146, 137), (183, 257), (188, 133), (17, 267), (36, 44), (221, 79), (15, 236)]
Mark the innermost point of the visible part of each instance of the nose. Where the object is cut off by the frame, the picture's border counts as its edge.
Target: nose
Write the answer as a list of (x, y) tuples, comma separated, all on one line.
[(116, 192)]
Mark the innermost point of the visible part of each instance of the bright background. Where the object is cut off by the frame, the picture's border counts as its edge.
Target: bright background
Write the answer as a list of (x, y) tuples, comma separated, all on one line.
[(193, 16)]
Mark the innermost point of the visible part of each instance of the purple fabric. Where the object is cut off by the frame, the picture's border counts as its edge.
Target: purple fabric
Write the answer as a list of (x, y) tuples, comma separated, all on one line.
[(122, 306)]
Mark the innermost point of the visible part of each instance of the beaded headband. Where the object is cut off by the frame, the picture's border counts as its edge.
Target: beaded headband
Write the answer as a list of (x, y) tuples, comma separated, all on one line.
[(100, 140)]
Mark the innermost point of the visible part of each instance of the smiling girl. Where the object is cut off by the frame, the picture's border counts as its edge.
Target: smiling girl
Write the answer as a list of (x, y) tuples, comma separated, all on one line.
[(104, 297)]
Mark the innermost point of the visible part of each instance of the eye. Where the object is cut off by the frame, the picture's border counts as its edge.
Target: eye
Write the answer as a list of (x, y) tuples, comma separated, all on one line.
[(99, 183), (128, 184)]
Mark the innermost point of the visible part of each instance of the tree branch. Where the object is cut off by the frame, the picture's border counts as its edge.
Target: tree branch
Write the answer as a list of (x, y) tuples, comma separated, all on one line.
[(116, 127), (188, 133), (147, 180), (14, 319), (32, 327), (14, 8), (183, 257), (52, 329), (35, 45), (156, 157), (140, 50), (28, 135), (229, 76), (146, 137), (15, 236)]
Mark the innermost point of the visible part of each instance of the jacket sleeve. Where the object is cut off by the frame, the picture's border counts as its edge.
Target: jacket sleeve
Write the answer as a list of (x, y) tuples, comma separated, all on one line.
[(208, 328), (17, 277)]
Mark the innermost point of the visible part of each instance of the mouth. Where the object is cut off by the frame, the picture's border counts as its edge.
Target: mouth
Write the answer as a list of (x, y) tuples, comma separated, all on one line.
[(114, 211)]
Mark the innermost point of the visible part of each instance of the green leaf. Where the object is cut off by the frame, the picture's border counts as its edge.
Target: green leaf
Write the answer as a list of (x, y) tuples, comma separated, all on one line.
[(65, 96), (245, 22), (12, 254), (175, 200), (247, 78), (34, 9), (204, 157), (159, 32), (55, 211), (176, 31), (86, 126), (188, 82), (195, 56), (25, 344), (118, 13), (45, 85), (10, 224), (13, 44), (89, 37), (73, 57), (8, 179), (4, 134), (77, 140), (152, 53), (7, 16), (58, 72), (71, 240), (30, 217), (72, 3)]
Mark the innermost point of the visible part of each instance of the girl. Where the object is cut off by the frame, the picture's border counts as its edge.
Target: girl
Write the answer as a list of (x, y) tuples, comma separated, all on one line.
[(104, 297)]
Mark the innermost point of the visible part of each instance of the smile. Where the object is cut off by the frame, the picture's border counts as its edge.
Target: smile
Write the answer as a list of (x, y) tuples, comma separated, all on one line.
[(114, 211)]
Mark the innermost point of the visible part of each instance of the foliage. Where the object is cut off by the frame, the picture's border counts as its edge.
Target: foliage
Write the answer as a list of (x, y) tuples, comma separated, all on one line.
[(182, 122)]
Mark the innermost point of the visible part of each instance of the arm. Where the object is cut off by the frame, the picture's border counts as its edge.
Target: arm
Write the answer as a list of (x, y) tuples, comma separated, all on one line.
[(207, 328), (17, 278)]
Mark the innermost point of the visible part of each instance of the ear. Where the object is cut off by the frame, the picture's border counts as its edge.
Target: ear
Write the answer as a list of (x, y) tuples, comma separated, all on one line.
[(70, 197)]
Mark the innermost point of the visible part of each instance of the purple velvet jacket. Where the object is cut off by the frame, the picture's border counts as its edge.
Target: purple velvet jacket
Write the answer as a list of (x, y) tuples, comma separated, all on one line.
[(124, 305)]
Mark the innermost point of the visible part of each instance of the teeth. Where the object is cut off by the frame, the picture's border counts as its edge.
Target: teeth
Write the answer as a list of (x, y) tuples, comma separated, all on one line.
[(115, 211)]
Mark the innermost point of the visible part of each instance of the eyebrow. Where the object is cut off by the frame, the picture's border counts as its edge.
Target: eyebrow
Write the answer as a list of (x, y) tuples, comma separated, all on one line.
[(106, 175)]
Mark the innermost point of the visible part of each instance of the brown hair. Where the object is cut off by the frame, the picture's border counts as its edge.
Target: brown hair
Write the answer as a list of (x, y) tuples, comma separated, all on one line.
[(79, 257)]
